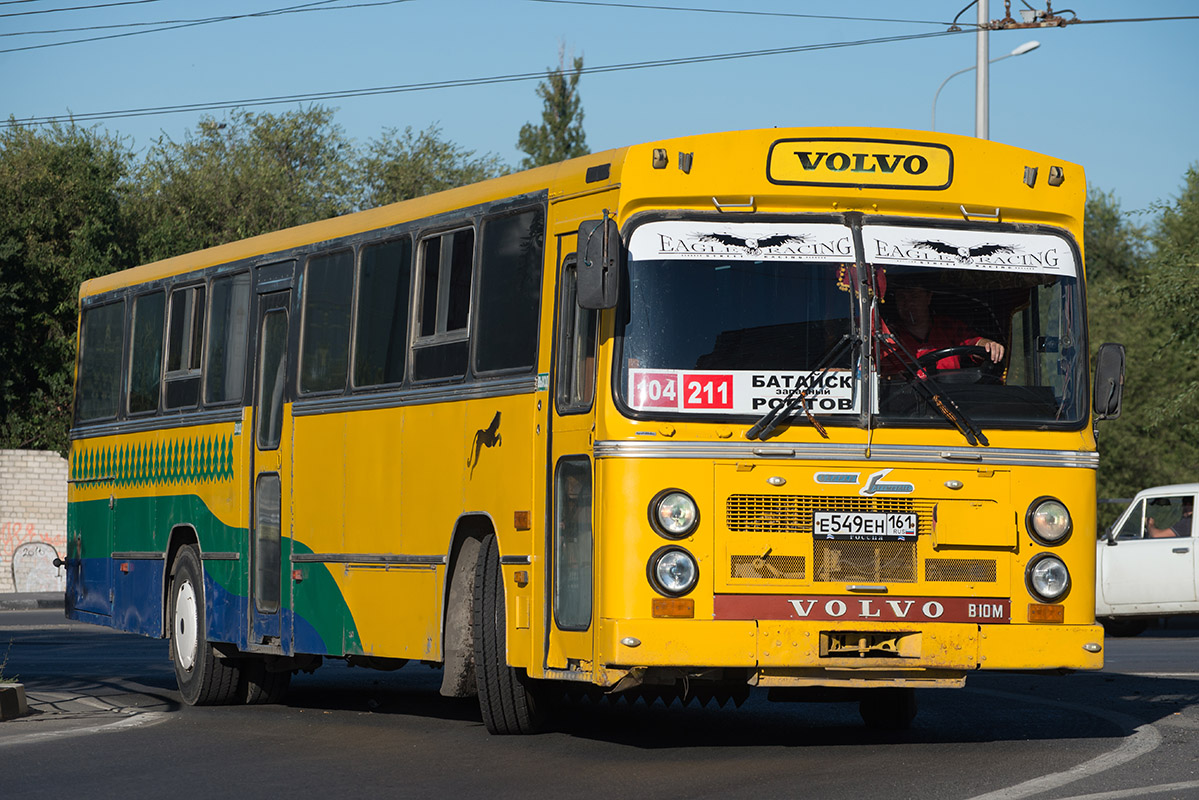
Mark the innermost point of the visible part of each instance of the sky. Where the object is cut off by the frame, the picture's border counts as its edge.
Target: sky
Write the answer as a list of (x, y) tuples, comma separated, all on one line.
[(1118, 98)]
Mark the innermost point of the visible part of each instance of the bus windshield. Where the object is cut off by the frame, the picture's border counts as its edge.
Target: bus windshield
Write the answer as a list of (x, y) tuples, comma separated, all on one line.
[(732, 320)]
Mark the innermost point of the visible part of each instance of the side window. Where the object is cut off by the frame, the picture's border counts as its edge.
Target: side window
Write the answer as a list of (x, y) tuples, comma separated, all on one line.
[(509, 292), (1134, 523), (145, 361), (576, 349), (1169, 517), (228, 324), (272, 376), (572, 544), (185, 339), (443, 305), (325, 331), (101, 337), (381, 335)]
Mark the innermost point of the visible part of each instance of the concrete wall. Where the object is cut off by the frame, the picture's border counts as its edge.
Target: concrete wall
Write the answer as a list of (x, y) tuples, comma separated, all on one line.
[(33, 520)]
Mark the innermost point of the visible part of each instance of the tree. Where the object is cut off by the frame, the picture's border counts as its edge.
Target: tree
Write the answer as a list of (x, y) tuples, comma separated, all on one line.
[(1152, 306), (560, 135), (61, 222), (402, 166), (250, 174)]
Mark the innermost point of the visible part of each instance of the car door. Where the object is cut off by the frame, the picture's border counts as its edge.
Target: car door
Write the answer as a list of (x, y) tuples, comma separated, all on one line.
[(1149, 564)]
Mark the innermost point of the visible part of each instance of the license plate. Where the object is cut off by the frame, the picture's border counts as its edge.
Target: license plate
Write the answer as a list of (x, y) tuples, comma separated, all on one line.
[(864, 527)]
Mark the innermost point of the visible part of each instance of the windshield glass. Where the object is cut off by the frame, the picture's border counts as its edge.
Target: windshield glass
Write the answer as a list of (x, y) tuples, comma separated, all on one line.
[(994, 317), (732, 320), (729, 319)]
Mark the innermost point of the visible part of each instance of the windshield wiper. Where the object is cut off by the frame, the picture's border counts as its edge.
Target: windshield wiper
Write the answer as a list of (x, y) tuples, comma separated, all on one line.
[(932, 392), (780, 413)]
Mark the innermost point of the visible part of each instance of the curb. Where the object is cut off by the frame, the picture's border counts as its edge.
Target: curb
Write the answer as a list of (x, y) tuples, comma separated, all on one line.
[(31, 601), (12, 701)]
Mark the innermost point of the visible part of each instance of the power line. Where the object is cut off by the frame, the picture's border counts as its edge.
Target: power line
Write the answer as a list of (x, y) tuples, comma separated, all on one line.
[(741, 12), (457, 83), (201, 21), (78, 8)]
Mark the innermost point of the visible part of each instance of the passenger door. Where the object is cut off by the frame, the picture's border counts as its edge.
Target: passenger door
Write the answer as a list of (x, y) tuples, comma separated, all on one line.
[(270, 519), (571, 542)]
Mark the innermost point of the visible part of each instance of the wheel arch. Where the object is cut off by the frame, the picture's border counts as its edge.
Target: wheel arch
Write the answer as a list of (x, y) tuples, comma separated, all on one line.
[(181, 536), (457, 632)]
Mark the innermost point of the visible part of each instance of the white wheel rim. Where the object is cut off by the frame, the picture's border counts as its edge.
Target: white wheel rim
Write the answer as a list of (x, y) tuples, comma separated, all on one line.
[(186, 633)]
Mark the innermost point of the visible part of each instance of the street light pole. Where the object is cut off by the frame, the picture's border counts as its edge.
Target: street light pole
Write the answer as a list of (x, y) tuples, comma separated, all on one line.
[(982, 102), (1027, 47)]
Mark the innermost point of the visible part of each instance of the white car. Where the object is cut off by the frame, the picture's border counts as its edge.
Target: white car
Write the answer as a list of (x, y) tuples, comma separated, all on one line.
[(1147, 563)]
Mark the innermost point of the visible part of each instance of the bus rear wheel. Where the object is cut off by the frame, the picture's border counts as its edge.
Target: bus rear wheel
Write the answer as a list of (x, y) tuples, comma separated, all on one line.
[(204, 679), (508, 698)]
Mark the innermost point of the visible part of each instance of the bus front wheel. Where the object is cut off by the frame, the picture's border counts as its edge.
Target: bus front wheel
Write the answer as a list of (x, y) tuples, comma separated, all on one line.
[(203, 678), (888, 709), (508, 699)]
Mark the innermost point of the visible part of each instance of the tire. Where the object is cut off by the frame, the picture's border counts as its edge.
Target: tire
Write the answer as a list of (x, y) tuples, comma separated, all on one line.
[(508, 699), (260, 686), (1125, 626), (203, 678), (888, 709)]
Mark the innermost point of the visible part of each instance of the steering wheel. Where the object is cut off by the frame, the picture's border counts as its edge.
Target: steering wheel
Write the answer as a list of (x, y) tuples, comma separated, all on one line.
[(982, 368)]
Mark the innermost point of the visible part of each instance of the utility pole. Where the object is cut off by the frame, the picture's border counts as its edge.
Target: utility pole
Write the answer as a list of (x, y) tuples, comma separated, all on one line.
[(982, 123)]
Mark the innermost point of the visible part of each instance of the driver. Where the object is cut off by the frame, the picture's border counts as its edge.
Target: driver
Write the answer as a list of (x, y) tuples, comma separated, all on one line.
[(922, 332)]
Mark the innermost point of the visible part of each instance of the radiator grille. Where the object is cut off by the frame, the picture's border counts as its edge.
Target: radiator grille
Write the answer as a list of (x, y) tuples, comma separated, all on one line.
[(792, 568), (872, 562), (752, 513), (973, 570)]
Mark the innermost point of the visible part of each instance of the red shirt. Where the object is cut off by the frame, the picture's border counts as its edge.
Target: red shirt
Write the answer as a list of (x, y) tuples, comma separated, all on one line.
[(943, 332)]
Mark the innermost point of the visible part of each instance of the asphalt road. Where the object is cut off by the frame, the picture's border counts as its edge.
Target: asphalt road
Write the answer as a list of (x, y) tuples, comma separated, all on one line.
[(109, 724)]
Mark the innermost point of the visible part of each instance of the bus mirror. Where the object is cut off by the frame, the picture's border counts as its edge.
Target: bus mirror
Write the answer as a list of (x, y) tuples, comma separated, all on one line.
[(599, 263), (1109, 380)]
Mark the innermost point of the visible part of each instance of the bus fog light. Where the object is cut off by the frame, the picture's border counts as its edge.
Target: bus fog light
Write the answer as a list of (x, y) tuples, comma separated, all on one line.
[(673, 571), (1048, 578), (673, 513), (1048, 521)]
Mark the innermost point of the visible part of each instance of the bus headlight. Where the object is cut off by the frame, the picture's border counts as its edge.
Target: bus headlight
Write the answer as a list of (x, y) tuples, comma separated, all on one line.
[(1048, 521), (1047, 578), (672, 571), (673, 513)]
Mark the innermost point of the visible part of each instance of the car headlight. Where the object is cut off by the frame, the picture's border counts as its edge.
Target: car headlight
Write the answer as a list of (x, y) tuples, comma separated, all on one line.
[(1048, 521), (673, 514), (1047, 578), (672, 571)]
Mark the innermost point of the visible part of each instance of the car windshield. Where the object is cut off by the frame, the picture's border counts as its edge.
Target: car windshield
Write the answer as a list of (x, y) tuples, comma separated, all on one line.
[(732, 320)]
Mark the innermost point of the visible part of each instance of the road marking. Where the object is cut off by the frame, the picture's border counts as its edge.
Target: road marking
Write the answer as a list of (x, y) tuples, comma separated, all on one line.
[(1144, 739), (1140, 791), (136, 720)]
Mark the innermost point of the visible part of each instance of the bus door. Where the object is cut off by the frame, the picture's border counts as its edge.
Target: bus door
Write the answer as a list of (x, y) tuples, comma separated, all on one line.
[(271, 475), (571, 545)]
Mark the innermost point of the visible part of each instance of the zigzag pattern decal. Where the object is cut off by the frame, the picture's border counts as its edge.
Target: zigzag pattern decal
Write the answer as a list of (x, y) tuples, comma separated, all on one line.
[(194, 460)]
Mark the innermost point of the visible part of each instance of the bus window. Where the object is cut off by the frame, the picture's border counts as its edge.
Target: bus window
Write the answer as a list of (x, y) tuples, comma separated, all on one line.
[(576, 354), (99, 382), (185, 336), (440, 350), (325, 335), (572, 544), (509, 292), (229, 320), (145, 363), (272, 363), (381, 335)]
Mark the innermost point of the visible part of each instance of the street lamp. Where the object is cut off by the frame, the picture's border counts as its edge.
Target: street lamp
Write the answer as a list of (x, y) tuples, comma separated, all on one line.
[(1027, 47)]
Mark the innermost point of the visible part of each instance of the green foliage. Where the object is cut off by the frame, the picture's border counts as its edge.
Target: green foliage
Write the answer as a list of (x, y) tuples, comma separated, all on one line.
[(1115, 247), (250, 174), (560, 135), (399, 166), (1151, 305), (61, 222)]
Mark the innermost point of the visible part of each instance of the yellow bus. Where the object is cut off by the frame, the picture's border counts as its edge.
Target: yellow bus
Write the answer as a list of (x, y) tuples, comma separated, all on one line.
[(808, 410)]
